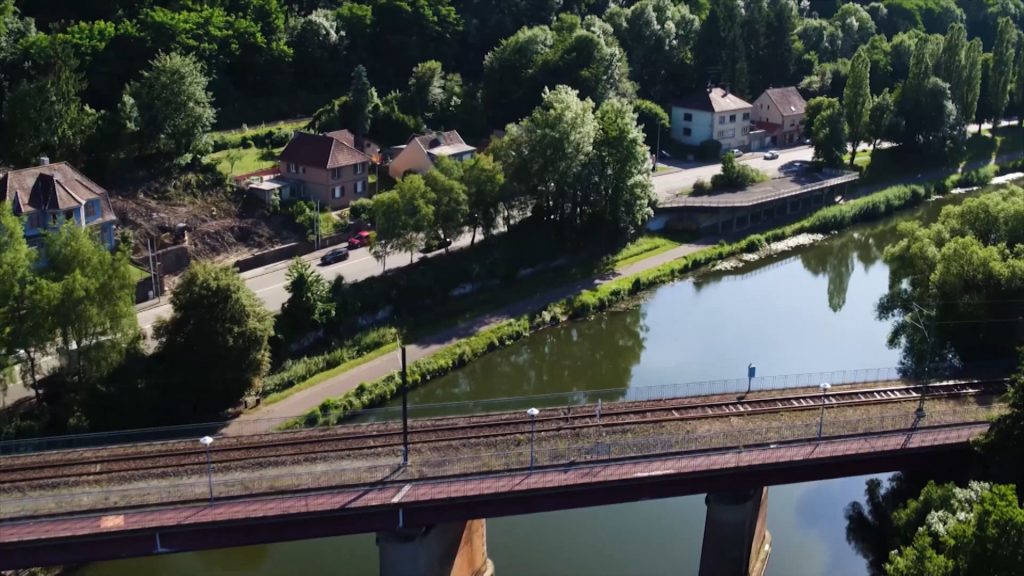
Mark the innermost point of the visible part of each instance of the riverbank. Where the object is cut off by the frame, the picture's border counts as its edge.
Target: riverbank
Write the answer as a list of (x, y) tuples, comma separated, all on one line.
[(603, 294)]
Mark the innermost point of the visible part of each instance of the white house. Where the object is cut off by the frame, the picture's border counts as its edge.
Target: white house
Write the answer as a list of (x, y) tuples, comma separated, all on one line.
[(421, 151), (712, 114)]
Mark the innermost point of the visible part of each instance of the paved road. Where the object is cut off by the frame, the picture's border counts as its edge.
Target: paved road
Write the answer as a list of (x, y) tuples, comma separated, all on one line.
[(269, 281)]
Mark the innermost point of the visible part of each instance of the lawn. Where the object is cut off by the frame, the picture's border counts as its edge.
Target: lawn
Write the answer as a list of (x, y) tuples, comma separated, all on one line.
[(138, 273), (249, 130), (236, 161), (644, 247)]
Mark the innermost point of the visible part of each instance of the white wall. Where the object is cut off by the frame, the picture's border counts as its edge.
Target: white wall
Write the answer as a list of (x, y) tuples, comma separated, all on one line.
[(700, 126)]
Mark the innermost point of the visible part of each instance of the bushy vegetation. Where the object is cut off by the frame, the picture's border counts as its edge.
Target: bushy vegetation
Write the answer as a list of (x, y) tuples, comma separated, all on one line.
[(734, 176), (294, 372)]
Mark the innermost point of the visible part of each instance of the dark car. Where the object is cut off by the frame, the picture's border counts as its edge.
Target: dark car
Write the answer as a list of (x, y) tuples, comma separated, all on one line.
[(336, 255), (359, 240)]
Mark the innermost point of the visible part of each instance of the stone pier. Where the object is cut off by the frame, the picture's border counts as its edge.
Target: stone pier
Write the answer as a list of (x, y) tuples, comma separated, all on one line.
[(736, 540), (451, 549)]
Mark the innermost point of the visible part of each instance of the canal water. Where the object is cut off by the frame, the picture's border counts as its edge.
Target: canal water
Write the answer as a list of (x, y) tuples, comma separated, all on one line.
[(810, 310)]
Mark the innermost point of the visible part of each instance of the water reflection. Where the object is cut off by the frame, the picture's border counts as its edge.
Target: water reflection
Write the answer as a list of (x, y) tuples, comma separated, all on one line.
[(597, 354)]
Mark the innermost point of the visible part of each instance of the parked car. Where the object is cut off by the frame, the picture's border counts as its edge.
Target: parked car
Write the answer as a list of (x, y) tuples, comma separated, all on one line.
[(736, 152), (332, 256), (771, 155), (359, 240)]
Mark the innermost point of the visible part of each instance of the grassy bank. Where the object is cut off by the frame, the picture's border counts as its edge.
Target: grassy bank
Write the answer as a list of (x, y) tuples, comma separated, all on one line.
[(588, 302)]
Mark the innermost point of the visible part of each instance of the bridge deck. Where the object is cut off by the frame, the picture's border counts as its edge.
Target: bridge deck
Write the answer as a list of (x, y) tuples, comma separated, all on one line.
[(388, 505)]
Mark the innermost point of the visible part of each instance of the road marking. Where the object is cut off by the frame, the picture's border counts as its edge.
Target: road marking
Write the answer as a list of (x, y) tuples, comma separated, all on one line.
[(401, 493), (330, 268)]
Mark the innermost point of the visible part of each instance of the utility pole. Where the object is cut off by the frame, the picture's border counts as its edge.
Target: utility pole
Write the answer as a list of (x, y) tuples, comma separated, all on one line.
[(316, 227), (405, 410), (920, 412), (152, 268)]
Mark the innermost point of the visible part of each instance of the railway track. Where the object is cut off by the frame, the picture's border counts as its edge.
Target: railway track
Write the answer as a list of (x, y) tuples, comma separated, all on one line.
[(57, 466)]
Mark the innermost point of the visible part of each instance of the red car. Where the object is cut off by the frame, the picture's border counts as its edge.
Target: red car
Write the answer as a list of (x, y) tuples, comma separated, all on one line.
[(359, 240)]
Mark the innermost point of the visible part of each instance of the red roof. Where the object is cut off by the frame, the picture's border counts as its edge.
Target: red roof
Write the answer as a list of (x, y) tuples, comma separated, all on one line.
[(321, 151)]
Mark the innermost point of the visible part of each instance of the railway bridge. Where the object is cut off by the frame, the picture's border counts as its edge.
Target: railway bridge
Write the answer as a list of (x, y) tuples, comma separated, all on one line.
[(427, 500)]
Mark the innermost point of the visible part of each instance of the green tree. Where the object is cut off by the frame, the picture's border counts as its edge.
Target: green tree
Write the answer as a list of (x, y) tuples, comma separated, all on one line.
[(1003, 55), (855, 28), (317, 45), (389, 221), (483, 179), (511, 81), (45, 116), (1018, 84), (93, 304), (828, 130), (1001, 444), (418, 214), (215, 346), (15, 274), (720, 48), (964, 269), (652, 119), (621, 172), (309, 306), (734, 175), (546, 155), (967, 92), (778, 59), (362, 100), (880, 118), (448, 199), (658, 37), (857, 101), (171, 109), (950, 65), (919, 559)]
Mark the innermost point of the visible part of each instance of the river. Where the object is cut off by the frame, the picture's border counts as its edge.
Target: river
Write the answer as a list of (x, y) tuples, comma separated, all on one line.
[(810, 310)]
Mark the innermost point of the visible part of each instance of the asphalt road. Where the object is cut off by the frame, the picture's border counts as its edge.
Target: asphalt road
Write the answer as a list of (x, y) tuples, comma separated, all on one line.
[(269, 281)]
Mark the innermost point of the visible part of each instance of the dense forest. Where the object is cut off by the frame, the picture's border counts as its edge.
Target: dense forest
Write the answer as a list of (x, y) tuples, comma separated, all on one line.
[(474, 65)]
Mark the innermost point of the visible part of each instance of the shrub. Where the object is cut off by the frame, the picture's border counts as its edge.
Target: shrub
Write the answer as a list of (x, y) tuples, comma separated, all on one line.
[(294, 372), (700, 188), (709, 150), (977, 177)]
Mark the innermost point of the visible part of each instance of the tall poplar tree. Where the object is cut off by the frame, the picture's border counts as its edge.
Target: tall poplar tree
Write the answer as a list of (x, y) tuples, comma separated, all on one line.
[(967, 92), (1003, 55), (857, 101)]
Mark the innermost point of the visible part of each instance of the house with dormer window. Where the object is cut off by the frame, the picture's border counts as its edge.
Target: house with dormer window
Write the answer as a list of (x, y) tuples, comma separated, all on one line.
[(49, 195)]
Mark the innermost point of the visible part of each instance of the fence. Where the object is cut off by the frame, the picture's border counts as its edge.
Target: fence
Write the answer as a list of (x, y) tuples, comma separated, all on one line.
[(389, 413), (761, 440)]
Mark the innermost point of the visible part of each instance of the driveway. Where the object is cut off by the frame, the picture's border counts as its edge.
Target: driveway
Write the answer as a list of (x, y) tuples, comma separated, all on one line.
[(668, 184)]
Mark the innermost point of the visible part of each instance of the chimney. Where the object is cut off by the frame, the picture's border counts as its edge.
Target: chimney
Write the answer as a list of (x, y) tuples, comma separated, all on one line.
[(44, 160)]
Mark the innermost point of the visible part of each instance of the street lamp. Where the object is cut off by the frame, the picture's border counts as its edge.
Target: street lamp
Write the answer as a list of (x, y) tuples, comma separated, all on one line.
[(405, 410), (532, 413), (821, 421), (206, 441)]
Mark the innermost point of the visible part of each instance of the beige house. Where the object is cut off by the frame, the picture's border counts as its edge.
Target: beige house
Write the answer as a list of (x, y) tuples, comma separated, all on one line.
[(420, 152), (712, 114), (780, 113), (324, 169)]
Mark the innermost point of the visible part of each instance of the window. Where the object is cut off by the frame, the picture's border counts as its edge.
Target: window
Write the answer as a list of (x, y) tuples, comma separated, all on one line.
[(54, 218), (721, 119), (726, 134), (361, 187), (746, 115), (687, 132), (732, 118), (338, 192), (292, 168), (360, 168), (91, 209), (792, 123), (687, 117), (335, 173), (69, 215), (302, 169), (35, 220), (746, 130)]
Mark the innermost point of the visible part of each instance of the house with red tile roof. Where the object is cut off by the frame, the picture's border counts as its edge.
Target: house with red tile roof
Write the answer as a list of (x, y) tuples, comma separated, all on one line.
[(780, 113), (326, 168), (49, 195)]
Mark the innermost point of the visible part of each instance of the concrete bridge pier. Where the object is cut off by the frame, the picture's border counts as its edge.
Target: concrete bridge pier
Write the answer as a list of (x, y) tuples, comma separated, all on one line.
[(450, 549), (736, 539)]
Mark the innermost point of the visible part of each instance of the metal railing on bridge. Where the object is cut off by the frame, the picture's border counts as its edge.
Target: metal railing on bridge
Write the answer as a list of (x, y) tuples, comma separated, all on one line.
[(388, 413), (447, 470)]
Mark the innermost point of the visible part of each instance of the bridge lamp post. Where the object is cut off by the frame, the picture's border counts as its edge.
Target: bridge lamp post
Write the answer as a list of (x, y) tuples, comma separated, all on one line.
[(532, 413), (206, 441), (821, 421), (405, 411)]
